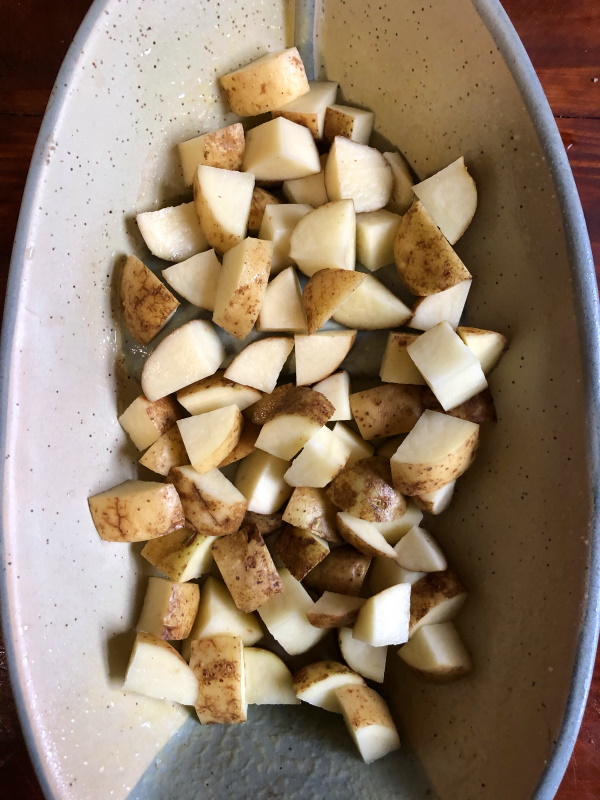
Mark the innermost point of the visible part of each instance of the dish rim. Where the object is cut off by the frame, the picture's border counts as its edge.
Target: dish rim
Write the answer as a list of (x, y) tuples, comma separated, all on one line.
[(585, 289)]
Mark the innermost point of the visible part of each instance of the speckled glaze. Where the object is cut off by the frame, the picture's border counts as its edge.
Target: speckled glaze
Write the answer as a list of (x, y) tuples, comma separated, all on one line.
[(138, 79)]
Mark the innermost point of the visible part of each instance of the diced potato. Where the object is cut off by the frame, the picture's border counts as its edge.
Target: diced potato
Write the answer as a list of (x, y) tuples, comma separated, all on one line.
[(144, 421), (282, 308), (375, 235), (182, 556), (260, 200), (438, 597), (222, 200), (301, 415), (280, 150), (384, 618), (300, 550), (386, 410), (352, 123), (437, 652), (214, 392), (172, 233), (260, 363), (322, 457), (320, 354), (262, 411), (479, 408), (246, 444), (447, 305), (325, 238), (488, 346), (359, 173), (419, 552), (169, 609), (365, 490), (311, 509), (310, 190), (147, 304), (385, 573), (436, 502), (190, 353), (218, 664), (242, 286), (223, 148), (369, 722), (135, 511), (402, 192), (358, 447), (211, 503), (260, 479), (316, 683), (309, 110), (450, 198), (325, 291), (333, 610), (268, 680), (393, 531), (277, 226), (363, 535), (266, 523), (168, 451), (336, 388), (196, 279), (363, 658), (343, 571), (371, 307), (397, 366), (210, 437), (266, 84), (157, 670)]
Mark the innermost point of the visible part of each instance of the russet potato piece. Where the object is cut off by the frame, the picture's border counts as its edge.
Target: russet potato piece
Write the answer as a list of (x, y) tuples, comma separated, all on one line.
[(336, 388), (262, 411), (169, 609), (266, 523), (211, 503), (190, 353), (375, 235), (266, 84), (369, 722), (384, 618), (386, 410), (222, 200), (135, 511), (285, 616), (393, 531), (447, 305), (333, 610), (488, 346), (168, 451), (196, 279), (435, 502), (182, 556), (172, 233), (309, 110), (450, 198), (479, 408), (438, 597), (210, 437), (223, 148), (157, 670), (352, 123), (146, 421), (316, 683), (147, 304), (437, 652), (260, 200), (282, 308), (247, 568), (359, 173), (268, 680), (216, 391), (437, 451), (246, 444), (260, 363), (322, 457), (277, 226), (363, 535), (259, 478), (301, 414), (320, 354), (426, 262), (311, 509), (361, 657), (242, 286), (343, 571), (300, 550), (218, 664), (397, 366), (384, 573), (358, 447), (419, 552), (325, 291), (371, 307), (325, 238), (280, 150), (402, 193), (365, 490)]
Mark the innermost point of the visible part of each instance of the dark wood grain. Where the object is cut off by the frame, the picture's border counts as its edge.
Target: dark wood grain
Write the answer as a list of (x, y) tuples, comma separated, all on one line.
[(563, 40)]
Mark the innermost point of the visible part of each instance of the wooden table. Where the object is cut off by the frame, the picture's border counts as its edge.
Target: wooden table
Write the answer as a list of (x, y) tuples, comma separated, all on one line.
[(563, 40)]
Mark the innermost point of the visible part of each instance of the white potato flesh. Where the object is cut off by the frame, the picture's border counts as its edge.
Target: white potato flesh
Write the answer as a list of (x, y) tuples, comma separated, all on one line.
[(438, 501), (182, 556), (210, 437), (363, 535), (402, 192), (144, 422), (309, 110), (419, 552), (196, 279), (222, 198), (220, 498), (443, 306), (216, 393), (316, 683), (438, 651), (333, 609), (353, 123), (384, 573), (371, 306), (281, 308), (336, 389), (157, 670), (284, 615), (322, 457), (369, 722), (397, 366), (190, 353), (169, 609), (222, 148), (268, 680), (277, 226), (260, 363), (285, 434), (450, 199), (359, 173), (260, 479), (325, 238), (452, 371), (320, 354), (384, 618), (363, 658), (437, 602), (280, 150), (488, 346), (310, 190), (173, 233), (375, 234), (394, 530), (358, 447)]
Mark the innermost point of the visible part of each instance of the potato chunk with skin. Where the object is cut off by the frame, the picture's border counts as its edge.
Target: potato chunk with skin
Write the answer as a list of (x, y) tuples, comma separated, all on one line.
[(260, 479), (300, 550), (437, 652), (450, 197), (210, 437), (135, 511), (325, 291), (363, 535), (260, 200), (268, 680), (211, 503), (333, 610), (336, 388), (316, 683), (343, 571), (247, 568), (182, 556), (246, 444), (352, 123), (488, 346), (266, 523), (438, 597), (369, 722), (168, 451), (262, 411), (260, 363), (319, 355), (322, 457), (146, 302), (365, 490), (359, 173), (371, 307), (216, 391), (169, 609), (266, 84), (280, 150), (222, 200), (196, 279), (325, 238), (172, 233), (309, 110), (223, 148), (311, 509), (447, 305), (386, 410), (157, 670), (218, 664), (146, 421)]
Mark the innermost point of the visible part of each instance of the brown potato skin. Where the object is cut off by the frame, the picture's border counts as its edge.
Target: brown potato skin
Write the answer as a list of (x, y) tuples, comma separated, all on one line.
[(337, 123), (304, 402), (224, 148), (365, 490), (262, 411), (168, 451), (479, 408), (363, 707), (299, 551), (325, 291), (312, 510), (181, 613), (316, 672), (217, 662), (387, 410), (146, 302), (245, 446), (430, 590), (266, 523), (343, 571), (340, 619), (260, 200), (197, 509)]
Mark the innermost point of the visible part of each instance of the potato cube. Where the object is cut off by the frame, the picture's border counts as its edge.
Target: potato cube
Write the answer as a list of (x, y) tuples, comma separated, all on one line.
[(300, 550), (196, 279), (223, 148), (172, 233), (397, 366), (169, 609), (277, 226), (218, 664), (182, 556), (211, 503), (146, 421), (280, 150), (309, 110), (352, 123), (157, 670), (260, 479), (146, 302)]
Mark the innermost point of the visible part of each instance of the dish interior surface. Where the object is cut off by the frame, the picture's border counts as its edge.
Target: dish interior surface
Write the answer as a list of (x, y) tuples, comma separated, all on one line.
[(518, 530)]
